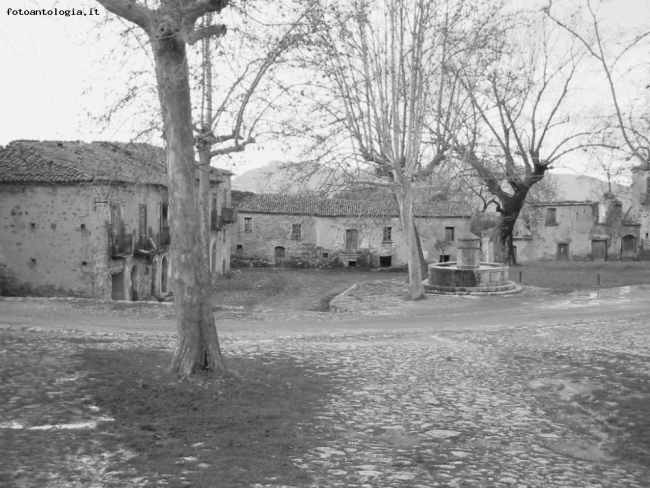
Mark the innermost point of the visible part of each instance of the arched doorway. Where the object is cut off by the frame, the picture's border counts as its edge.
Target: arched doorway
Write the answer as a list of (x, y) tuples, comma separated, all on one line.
[(134, 283), (164, 270), (280, 254)]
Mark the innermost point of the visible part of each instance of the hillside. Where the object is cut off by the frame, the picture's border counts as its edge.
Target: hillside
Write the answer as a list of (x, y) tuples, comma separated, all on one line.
[(275, 177)]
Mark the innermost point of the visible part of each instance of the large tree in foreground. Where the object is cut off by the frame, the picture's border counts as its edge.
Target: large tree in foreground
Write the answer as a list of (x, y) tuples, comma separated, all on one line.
[(170, 27)]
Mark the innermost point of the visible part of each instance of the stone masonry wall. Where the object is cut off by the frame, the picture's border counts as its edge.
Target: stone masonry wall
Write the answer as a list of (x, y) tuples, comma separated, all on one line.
[(55, 239), (574, 223), (327, 235)]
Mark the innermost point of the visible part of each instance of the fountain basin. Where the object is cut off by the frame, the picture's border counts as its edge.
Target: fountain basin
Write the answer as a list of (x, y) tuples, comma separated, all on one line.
[(483, 278)]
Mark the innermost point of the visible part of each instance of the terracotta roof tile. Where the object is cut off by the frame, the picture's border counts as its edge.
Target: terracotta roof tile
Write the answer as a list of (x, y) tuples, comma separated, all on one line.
[(75, 162), (324, 207)]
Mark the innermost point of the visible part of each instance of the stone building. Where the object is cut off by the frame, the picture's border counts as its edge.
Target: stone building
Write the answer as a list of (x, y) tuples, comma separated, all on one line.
[(92, 220), (286, 230), (641, 206), (567, 231)]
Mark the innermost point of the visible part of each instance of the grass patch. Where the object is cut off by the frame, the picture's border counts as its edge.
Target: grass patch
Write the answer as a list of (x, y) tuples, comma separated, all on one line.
[(207, 432), (580, 275), (250, 287)]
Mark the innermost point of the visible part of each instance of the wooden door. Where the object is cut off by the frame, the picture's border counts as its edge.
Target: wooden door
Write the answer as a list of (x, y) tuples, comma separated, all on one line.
[(628, 247), (599, 250)]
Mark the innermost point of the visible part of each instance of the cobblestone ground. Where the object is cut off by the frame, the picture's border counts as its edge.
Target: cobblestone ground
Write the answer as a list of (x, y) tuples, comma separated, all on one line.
[(562, 404), (505, 407)]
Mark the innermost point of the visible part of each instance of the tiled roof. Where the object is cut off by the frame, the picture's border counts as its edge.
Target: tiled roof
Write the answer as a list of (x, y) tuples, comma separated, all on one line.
[(560, 203), (324, 207), (77, 162)]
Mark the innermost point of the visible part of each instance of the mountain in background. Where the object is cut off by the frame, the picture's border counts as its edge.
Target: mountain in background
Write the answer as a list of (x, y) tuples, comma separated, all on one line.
[(580, 188), (280, 177), (277, 177)]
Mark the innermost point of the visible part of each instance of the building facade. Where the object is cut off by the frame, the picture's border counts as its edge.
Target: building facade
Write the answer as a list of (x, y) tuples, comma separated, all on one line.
[(567, 231), (92, 220), (287, 230)]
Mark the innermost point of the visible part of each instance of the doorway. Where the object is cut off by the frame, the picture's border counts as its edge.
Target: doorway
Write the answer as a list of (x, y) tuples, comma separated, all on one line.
[(628, 247), (154, 277), (280, 254), (164, 269), (117, 286), (599, 250), (134, 284), (562, 252)]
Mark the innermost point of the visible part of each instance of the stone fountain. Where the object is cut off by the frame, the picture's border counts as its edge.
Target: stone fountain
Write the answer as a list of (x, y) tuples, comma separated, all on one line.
[(468, 275)]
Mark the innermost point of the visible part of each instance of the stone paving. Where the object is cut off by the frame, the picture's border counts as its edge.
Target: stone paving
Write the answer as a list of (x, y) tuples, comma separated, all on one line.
[(562, 404), (489, 409)]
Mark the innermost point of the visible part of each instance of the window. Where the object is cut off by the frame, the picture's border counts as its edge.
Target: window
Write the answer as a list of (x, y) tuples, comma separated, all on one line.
[(83, 226), (32, 226), (248, 224), (449, 234), (351, 240), (551, 216), (142, 222), (164, 216), (215, 218), (116, 219), (325, 255), (240, 247), (388, 234), (296, 231)]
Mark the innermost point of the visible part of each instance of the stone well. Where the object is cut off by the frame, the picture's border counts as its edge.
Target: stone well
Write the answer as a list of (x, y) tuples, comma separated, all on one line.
[(469, 274)]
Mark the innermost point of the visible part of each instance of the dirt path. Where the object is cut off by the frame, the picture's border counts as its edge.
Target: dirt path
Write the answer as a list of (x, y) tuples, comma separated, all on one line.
[(289, 317)]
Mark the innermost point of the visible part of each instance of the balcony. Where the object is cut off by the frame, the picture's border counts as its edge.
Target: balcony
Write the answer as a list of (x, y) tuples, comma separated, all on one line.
[(121, 245), (229, 215)]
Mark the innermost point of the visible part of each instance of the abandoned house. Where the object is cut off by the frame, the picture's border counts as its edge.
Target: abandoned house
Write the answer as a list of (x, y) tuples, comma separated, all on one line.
[(300, 231), (641, 206), (92, 220), (567, 231)]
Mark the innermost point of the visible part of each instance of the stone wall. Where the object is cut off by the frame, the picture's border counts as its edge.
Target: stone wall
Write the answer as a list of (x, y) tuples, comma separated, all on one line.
[(322, 240), (572, 227), (55, 239)]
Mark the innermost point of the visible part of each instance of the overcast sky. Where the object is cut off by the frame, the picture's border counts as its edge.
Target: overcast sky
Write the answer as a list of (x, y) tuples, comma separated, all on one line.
[(48, 63)]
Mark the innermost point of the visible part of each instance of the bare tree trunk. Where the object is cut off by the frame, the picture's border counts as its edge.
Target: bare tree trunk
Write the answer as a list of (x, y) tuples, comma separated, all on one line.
[(424, 266), (509, 211), (198, 346), (405, 201)]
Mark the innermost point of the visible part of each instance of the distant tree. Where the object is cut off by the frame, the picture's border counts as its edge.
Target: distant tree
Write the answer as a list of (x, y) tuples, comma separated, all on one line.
[(627, 125), (521, 117), (382, 95)]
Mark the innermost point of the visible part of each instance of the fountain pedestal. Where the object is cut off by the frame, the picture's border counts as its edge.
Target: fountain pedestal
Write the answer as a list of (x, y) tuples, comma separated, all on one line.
[(469, 274)]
